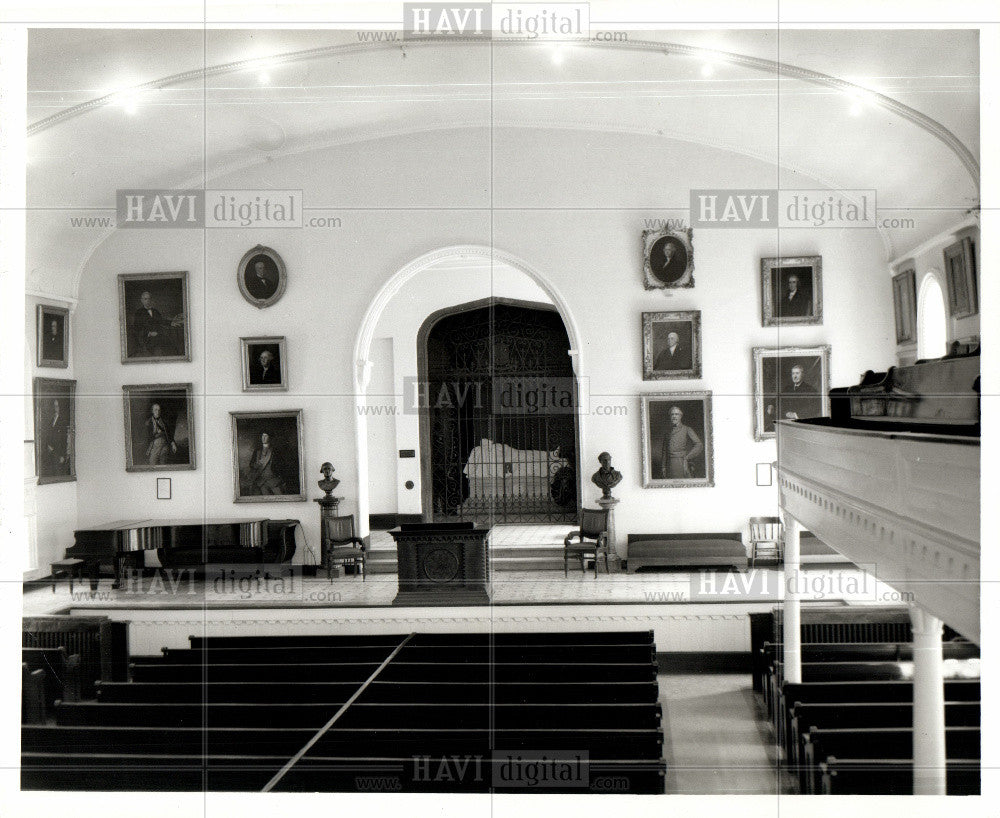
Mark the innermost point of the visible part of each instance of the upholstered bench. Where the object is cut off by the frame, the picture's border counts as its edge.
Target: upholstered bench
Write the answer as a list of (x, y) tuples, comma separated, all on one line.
[(685, 551)]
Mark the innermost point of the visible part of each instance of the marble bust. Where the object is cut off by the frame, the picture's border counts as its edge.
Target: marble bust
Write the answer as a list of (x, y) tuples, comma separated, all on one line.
[(329, 482)]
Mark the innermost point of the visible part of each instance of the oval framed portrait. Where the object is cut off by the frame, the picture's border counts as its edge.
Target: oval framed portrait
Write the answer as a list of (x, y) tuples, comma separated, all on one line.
[(668, 259), (261, 276)]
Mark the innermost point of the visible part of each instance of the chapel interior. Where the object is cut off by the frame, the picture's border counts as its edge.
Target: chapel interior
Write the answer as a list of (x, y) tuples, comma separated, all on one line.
[(399, 485)]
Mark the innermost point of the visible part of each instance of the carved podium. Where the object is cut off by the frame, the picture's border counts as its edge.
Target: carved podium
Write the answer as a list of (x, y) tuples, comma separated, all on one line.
[(442, 564)]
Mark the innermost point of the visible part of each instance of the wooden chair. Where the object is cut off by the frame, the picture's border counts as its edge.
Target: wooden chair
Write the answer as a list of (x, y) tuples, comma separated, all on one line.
[(342, 544), (767, 539), (593, 526)]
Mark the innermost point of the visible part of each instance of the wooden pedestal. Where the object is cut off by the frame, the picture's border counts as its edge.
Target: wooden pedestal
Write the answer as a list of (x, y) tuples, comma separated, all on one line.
[(442, 564)]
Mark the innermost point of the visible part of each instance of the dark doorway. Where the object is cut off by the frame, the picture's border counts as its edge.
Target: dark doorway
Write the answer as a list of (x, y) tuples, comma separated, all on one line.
[(498, 436)]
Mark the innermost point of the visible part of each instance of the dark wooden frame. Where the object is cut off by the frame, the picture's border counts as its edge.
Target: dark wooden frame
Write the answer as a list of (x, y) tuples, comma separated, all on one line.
[(960, 272), (40, 318), (268, 498), (650, 482), (904, 303), (759, 354), (40, 391), (245, 362), (769, 267), (124, 321), (149, 392)]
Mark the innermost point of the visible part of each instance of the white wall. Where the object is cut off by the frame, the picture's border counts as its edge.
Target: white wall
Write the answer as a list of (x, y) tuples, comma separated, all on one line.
[(928, 260), (591, 257)]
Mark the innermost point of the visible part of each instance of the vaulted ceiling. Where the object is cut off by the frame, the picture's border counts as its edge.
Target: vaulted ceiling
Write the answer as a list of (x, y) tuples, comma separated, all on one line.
[(897, 111)]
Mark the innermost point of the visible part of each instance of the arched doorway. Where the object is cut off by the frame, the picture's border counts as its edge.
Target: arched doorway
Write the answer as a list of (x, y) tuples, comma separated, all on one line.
[(499, 431), (387, 293)]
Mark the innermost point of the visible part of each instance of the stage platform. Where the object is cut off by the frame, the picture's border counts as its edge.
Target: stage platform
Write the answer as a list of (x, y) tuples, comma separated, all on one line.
[(688, 611)]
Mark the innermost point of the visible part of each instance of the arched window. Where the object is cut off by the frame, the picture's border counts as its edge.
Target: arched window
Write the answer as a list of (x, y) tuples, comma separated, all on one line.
[(932, 319)]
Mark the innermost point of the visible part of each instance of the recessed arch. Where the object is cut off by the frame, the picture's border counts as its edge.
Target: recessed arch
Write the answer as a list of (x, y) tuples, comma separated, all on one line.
[(369, 322)]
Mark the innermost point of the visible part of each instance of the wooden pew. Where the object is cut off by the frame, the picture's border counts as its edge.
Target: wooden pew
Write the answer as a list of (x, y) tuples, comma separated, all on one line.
[(33, 707), (53, 662), (152, 669), (545, 654), (865, 714), (360, 715), (829, 623), (429, 639), (577, 694), (864, 690), (382, 692), (315, 773), (892, 776), (875, 743), (856, 651), (248, 741)]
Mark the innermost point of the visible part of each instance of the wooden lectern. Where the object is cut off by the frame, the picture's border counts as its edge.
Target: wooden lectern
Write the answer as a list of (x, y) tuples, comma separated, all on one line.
[(442, 564)]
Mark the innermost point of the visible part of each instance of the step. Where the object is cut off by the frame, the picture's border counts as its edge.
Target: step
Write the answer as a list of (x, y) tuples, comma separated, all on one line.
[(503, 558)]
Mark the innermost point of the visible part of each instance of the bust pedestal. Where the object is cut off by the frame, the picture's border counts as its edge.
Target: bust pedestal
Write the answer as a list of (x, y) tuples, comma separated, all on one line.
[(329, 506), (614, 560)]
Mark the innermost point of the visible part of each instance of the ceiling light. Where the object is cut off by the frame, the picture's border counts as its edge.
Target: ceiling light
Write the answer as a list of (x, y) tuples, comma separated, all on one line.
[(264, 78), (558, 55), (127, 100), (707, 69), (860, 99)]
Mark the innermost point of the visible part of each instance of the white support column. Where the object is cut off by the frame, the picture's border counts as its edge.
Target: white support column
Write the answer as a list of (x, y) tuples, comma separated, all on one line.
[(929, 768), (791, 614)]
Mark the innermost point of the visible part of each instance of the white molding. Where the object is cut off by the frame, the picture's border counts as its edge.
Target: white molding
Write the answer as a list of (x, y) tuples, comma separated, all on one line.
[(40, 296), (769, 67), (944, 237)]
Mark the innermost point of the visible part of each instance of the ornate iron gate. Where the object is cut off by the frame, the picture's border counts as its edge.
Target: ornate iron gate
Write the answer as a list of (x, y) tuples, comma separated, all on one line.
[(500, 395)]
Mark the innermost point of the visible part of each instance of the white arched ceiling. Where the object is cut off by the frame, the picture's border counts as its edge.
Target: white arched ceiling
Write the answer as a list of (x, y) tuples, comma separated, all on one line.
[(907, 127)]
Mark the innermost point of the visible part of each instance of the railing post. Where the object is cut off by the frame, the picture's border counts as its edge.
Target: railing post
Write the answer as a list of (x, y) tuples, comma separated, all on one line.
[(929, 763), (791, 613)]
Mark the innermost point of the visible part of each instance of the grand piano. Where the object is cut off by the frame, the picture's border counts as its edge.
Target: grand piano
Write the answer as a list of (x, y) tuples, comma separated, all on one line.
[(182, 544), (892, 481)]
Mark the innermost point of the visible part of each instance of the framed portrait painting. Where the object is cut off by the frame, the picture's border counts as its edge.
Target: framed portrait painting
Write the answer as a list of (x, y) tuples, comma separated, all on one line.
[(677, 440), (55, 430), (268, 457), (261, 276), (790, 383), (264, 364), (152, 310), (960, 270), (668, 259), (671, 345), (904, 302), (159, 427), (791, 291), (52, 336)]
